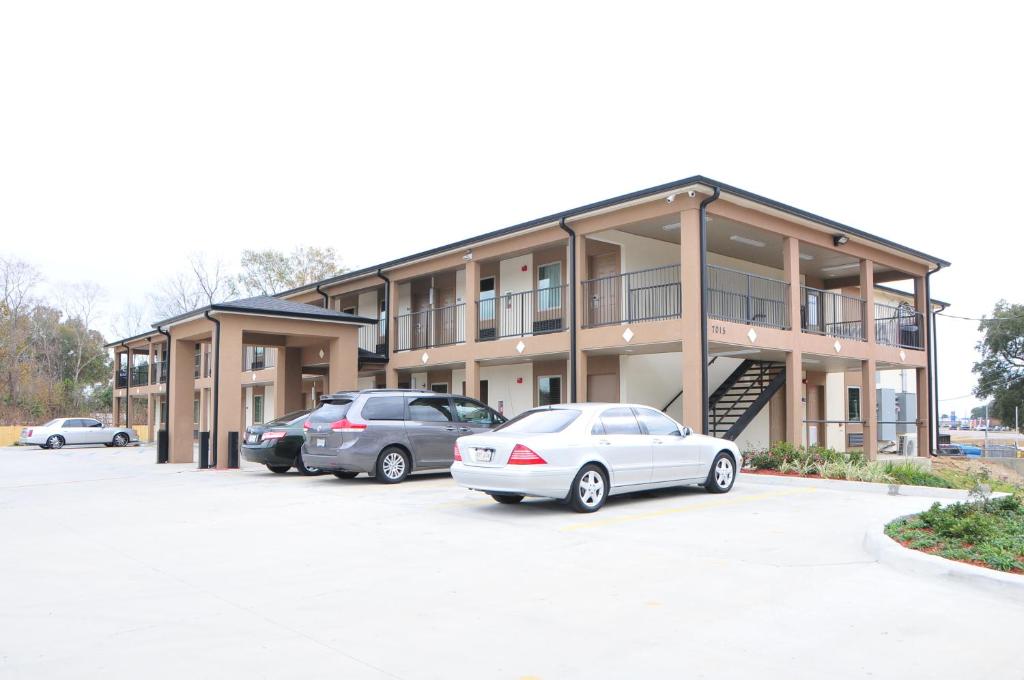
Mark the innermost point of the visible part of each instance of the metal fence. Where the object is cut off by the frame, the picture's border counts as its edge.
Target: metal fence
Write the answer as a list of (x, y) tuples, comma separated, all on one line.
[(373, 339), (257, 358), (140, 374), (644, 295), (737, 296), (829, 313), (899, 326), (530, 312), (431, 328)]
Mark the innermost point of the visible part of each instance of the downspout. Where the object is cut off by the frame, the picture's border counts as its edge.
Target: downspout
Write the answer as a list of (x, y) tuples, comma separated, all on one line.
[(167, 374), (572, 308), (327, 299), (387, 311), (127, 381), (704, 406), (216, 388), (933, 379)]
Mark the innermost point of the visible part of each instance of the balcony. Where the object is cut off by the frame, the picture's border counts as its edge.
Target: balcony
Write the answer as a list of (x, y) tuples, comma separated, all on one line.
[(122, 378), (745, 298), (158, 373), (531, 312), (255, 358), (899, 326), (644, 295), (431, 328), (828, 313), (140, 374), (373, 339)]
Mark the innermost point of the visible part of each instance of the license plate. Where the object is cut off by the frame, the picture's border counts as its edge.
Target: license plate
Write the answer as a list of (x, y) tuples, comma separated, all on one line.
[(254, 438), (320, 442), (483, 455)]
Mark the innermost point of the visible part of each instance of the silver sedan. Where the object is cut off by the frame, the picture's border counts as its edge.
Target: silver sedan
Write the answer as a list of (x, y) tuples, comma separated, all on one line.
[(61, 432), (583, 453)]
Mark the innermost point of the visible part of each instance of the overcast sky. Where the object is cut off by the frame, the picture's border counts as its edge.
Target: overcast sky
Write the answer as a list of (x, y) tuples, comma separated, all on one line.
[(133, 133)]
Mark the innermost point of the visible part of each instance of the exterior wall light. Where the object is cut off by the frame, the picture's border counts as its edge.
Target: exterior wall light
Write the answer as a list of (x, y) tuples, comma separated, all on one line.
[(840, 239)]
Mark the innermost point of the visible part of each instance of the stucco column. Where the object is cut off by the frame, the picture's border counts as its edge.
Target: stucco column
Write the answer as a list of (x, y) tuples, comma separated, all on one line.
[(391, 374), (472, 379), (867, 291), (924, 433), (472, 295), (868, 408), (204, 410), (795, 358), (288, 380), (582, 304), (582, 370), (228, 403), (179, 408), (344, 360), (693, 369)]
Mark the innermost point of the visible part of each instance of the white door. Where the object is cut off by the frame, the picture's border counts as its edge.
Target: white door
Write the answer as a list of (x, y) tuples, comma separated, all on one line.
[(618, 438), (673, 455)]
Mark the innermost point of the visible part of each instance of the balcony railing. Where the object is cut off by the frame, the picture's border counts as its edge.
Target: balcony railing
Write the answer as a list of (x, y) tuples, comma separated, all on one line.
[(828, 313), (373, 340), (140, 374), (899, 326), (747, 298), (431, 328), (255, 358), (645, 295), (158, 372), (530, 312)]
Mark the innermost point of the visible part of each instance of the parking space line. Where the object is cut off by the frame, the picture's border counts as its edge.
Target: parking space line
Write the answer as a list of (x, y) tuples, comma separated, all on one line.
[(717, 503)]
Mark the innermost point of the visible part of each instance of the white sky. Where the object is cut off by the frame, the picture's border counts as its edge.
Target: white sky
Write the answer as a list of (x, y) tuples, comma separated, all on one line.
[(386, 128)]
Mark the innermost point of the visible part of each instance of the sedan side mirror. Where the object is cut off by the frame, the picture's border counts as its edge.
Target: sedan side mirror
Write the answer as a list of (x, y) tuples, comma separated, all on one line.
[(686, 431)]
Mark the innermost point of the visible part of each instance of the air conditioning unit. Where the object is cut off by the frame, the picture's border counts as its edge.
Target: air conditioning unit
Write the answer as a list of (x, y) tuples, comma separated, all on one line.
[(908, 445)]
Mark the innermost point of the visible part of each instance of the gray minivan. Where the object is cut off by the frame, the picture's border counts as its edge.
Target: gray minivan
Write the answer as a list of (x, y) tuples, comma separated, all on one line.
[(391, 433)]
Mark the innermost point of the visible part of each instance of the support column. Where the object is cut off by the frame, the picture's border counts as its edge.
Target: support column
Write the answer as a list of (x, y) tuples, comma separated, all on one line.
[(795, 358), (344, 360), (867, 291), (582, 371), (288, 389), (692, 321), (391, 374), (924, 433), (579, 378), (204, 409), (868, 408), (472, 379), (472, 295), (179, 408), (227, 402)]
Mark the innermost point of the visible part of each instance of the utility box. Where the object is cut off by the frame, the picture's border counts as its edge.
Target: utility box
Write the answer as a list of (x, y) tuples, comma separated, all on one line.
[(886, 414), (906, 408)]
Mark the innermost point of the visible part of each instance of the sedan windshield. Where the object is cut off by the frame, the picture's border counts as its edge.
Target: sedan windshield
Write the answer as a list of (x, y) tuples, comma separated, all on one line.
[(543, 421)]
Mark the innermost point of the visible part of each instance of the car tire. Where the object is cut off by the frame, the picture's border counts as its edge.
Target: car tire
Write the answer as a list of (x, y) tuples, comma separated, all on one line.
[(54, 441), (307, 471), (507, 498), (346, 475), (43, 446), (392, 465), (120, 439), (279, 469), (589, 490), (722, 475)]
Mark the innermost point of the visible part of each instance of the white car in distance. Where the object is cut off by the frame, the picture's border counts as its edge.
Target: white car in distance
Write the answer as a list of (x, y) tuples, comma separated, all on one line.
[(583, 453)]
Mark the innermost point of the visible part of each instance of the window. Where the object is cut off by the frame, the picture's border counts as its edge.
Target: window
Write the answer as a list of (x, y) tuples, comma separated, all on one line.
[(382, 325), (853, 403), (470, 411), (549, 390), (540, 421), (487, 299), (619, 420), (73, 422), (812, 310), (197, 359), (349, 310), (195, 411), (257, 408), (430, 409), (384, 408), (549, 276), (330, 412), (656, 423)]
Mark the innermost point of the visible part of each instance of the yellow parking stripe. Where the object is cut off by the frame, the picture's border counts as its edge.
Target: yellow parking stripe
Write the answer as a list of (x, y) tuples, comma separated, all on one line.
[(717, 503)]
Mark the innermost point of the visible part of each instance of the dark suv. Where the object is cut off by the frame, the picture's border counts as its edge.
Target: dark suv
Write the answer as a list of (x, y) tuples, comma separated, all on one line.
[(390, 433)]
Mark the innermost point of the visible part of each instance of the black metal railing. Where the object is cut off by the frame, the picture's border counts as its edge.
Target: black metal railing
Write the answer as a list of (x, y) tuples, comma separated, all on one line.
[(899, 326), (644, 295), (737, 296), (530, 312), (431, 328), (158, 372), (372, 339), (829, 313), (256, 358), (140, 374)]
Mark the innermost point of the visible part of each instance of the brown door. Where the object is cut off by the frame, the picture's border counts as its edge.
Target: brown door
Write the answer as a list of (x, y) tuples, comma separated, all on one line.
[(604, 292), (444, 318), (603, 387)]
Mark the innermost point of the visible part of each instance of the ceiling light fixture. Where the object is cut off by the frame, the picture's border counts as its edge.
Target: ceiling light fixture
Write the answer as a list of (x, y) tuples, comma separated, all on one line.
[(805, 256), (840, 240), (747, 241), (670, 227), (840, 267)]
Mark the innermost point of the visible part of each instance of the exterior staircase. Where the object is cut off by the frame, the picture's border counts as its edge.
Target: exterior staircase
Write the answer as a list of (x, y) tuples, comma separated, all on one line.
[(739, 399)]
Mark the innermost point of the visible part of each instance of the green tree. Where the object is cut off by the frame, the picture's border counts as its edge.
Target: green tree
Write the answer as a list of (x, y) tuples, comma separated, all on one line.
[(270, 271), (1001, 369)]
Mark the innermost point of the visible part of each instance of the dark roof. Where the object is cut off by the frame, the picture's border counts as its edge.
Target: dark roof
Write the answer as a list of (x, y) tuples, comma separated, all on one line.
[(609, 202), (272, 306)]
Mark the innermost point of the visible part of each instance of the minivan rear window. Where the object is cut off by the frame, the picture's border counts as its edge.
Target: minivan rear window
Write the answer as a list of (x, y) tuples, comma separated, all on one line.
[(329, 413), (384, 408), (546, 421)]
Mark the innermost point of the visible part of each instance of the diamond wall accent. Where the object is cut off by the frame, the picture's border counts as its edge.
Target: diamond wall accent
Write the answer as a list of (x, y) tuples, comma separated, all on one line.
[(903, 355), (628, 334), (520, 346), (425, 358), (752, 335), (837, 347)]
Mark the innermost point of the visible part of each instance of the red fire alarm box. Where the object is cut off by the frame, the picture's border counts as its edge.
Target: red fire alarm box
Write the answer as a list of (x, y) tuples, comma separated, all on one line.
[(519, 381)]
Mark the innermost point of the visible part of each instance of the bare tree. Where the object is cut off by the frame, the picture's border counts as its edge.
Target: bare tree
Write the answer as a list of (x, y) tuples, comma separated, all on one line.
[(213, 282), (18, 281), (132, 320), (204, 282), (80, 304)]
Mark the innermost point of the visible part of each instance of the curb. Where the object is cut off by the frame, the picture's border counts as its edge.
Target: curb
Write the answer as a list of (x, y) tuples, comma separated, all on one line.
[(867, 487), (890, 553)]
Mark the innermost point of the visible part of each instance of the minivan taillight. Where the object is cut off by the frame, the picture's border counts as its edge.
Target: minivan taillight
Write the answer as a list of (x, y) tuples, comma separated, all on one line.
[(345, 425), (523, 455), (456, 452), (307, 425)]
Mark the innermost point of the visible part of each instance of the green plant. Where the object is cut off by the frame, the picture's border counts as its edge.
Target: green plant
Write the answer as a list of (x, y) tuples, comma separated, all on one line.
[(909, 473)]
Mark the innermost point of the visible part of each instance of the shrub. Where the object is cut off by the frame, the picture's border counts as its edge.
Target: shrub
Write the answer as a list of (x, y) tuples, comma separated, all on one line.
[(908, 473)]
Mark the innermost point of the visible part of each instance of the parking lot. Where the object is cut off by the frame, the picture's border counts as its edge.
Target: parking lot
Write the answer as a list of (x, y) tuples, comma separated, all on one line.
[(115, 567)]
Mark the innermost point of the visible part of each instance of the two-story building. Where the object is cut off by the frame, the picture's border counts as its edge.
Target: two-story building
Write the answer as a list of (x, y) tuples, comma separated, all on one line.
[(735, 314)]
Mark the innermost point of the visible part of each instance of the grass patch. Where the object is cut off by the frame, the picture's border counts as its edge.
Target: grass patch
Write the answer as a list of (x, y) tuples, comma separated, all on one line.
[(988, 532)]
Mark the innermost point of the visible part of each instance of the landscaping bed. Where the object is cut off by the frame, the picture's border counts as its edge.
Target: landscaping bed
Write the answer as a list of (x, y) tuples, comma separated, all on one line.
[(986, 533)]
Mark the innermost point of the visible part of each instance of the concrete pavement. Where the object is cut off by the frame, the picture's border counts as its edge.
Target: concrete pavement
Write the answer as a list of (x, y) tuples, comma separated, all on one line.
[(115, 567)]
